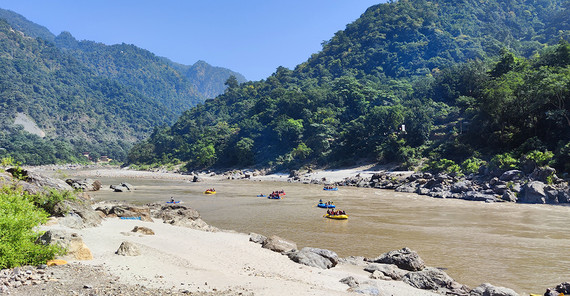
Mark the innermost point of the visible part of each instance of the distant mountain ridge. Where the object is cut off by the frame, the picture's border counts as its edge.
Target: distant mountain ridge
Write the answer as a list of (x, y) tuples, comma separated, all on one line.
[(20, 23), (86, 96), (135, 67), (208, 79)]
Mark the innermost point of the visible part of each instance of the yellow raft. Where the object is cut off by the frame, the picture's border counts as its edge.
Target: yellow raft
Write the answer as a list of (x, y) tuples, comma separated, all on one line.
[(209, 192), (336, 217)]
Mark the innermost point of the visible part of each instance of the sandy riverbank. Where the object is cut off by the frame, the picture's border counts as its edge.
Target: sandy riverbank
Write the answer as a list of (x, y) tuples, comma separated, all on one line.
[(329, 175), (199, 261), (184, 259)]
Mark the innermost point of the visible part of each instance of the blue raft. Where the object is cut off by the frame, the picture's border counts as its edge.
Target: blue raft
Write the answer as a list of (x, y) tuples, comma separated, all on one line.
[(330, 189)]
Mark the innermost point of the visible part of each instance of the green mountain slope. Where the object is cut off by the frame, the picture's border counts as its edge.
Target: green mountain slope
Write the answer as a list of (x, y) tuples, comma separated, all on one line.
[(134, 67), (76, 108), (408, 82), (20, 23), (415, 37), (69, 97), (209, 80)]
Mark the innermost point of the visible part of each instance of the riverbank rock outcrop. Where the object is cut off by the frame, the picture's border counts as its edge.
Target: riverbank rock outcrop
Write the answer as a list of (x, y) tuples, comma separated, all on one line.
[(180, 215), (406, 265), (405, 259), (434, 279), (123, 187), (76, 213), (32, 182), (71, 242), (84, 184), (487, 289), (111, 210), (315, 257), (535, 185), (128, 249), (280, 245)]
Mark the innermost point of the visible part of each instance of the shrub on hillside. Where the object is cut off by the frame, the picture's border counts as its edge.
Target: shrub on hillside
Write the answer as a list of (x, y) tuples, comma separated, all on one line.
[(18, 218)]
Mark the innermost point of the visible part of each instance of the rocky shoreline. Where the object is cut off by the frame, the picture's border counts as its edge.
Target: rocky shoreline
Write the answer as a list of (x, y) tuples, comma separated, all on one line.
[(400, 265), (540, 186)]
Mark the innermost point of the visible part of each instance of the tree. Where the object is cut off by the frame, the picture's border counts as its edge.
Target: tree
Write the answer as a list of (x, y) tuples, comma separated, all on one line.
[(232, 82)]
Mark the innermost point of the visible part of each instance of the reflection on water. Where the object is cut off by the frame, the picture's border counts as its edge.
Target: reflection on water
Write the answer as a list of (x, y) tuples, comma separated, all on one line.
[(523, 247)]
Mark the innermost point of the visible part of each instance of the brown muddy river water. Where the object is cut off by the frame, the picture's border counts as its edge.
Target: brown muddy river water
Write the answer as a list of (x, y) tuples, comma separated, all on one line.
[(522, 247)]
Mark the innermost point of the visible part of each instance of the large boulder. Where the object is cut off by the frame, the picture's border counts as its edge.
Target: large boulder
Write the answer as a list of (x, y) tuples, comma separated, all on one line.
[(257, 238), (390, 271), (180, 215), (198, 224), (127, 211), (84, 184), (487, 289), (277, 244), (405, 259), (533, 193), (407, 187), (71, 242), (479, 196), (35, 183), (128, 249), (123, 187), (358, 287), (436, 280), (315, 257), (461, 186), (70, 210), (511, 175), (542, 174), (173, 213)]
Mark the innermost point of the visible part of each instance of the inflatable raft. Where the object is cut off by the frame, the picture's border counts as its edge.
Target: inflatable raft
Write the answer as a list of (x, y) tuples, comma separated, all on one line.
[(209, 192), (325, 206), (330, 189), (336, 217)]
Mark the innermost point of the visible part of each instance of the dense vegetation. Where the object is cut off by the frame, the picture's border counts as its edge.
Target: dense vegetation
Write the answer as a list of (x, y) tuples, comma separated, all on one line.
[(20, 214), (69, 102), (413, 82), (86, 96), (134, 67), (20, 23)]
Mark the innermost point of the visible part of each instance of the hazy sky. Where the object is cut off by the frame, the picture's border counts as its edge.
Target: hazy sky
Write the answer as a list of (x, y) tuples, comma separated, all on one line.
[(252, 37)]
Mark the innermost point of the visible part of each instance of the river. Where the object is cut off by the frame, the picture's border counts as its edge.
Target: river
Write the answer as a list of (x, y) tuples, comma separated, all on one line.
[(522, 247)]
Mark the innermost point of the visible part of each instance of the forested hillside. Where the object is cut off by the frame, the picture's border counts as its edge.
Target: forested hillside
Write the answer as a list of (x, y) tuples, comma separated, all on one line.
[(20, 23), (86, 96), (78, 110), (438, 84), (134, 67)]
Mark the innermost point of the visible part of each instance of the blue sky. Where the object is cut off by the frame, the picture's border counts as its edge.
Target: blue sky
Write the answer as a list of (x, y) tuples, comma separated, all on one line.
[(252, 37)]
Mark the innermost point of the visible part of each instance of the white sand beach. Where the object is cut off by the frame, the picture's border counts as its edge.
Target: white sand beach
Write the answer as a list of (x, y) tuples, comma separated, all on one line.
[(199, 261)]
